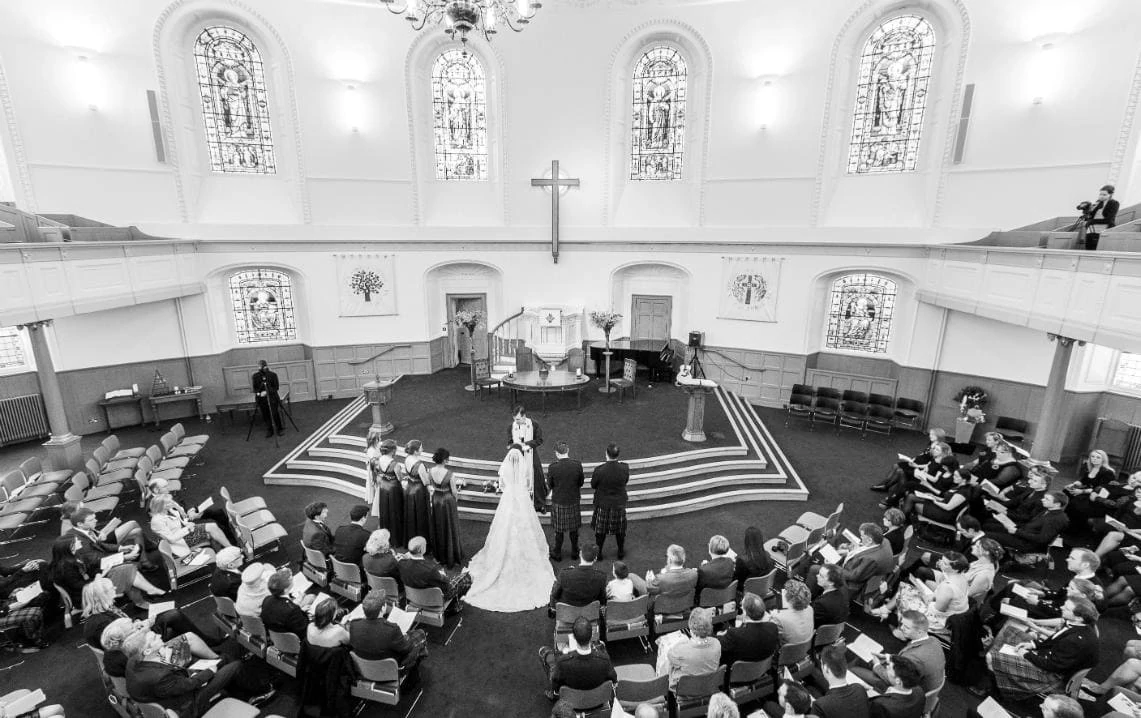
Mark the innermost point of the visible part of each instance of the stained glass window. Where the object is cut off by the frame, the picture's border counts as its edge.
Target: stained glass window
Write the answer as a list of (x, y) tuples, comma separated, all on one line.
[(891, 94), (12, 354), (235, 104), (658, 118), (859, 313), (459, 116), (1128, 374), (262, 302)]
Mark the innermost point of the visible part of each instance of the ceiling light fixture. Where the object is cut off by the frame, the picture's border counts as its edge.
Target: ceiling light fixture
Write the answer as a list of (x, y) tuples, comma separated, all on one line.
[(461, 17)]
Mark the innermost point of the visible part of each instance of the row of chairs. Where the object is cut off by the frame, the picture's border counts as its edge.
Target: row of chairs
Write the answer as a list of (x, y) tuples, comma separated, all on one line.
[(852, 409)]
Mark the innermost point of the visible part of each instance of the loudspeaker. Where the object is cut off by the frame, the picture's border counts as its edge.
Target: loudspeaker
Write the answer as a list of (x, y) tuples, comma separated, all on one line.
[(696, 339)]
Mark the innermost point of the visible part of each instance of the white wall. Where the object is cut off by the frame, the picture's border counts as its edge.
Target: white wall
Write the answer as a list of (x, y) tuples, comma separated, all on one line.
[(143, 332), (982, 347)]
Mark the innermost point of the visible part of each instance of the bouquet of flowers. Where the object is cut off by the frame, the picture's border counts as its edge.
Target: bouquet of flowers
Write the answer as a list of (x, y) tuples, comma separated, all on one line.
[(469, 320), (604, 320), (971, 400)]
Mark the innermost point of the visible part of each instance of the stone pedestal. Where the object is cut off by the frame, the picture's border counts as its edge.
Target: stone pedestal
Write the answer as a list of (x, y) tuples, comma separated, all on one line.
[(378, 394), (695, 415), (64, 453)]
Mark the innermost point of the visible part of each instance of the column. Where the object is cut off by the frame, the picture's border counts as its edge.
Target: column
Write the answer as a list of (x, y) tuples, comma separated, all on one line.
[(1050, 434), (63, 446)]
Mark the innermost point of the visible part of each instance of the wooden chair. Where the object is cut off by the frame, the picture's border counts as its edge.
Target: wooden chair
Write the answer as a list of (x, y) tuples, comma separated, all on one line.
[(751, 680), (692, 693), (627, 619), (429, 602), (586, 703), (347, 581), (481, 369), (377, 681), (628, 380)]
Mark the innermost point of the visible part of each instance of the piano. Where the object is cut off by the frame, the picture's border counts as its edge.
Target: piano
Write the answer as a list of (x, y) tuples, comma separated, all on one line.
[(655, 354)]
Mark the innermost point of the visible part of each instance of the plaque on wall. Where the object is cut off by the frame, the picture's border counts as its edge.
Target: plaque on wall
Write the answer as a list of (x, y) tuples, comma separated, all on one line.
[(366, 284), (749, 288)]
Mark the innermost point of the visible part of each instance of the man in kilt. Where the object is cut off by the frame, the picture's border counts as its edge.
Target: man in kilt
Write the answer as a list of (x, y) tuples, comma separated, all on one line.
[(609, 483), (565, 478)]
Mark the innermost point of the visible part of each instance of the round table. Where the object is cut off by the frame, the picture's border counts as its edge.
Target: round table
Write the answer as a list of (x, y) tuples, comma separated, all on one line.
[(556, 381)]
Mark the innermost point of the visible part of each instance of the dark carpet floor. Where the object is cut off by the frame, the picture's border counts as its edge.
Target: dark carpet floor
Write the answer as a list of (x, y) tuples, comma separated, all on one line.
[(489, 665)]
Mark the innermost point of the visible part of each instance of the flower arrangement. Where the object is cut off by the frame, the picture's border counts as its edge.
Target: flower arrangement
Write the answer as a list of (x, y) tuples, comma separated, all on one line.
[(971, 400), (604, 320), (469, 319)]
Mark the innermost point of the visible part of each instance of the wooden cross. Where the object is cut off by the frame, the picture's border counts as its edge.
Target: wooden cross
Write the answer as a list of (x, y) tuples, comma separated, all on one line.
[(555, 183)]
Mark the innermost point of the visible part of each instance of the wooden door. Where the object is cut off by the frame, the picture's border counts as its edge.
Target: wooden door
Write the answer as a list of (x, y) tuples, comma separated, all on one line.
[(650, 317), (461, 345)]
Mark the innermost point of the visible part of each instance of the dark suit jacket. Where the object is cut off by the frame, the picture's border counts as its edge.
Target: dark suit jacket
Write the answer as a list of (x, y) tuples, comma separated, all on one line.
[(284, 616), (849, 701), (1026, 507), (899, 705), (1108, 212), (895, 539), (91, 550), (609, 481), (676, 582), (349, 542), (1044, 528), (225, 583), (582, 672), (422, 573), (377, 638), (384, 564), (831, 607), (717, 573), (579, 586), (264, 381), (866, 565), (565, 478), (162, 683), (1067, 651), (749, 642), (317, 536)]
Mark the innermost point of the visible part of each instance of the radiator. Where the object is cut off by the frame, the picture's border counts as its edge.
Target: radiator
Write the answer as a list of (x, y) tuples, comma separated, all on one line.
[(22, 418), (1132, 458)]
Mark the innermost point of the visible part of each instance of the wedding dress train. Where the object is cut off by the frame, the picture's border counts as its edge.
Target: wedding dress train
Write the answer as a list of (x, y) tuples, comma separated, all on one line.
[(512, 572)]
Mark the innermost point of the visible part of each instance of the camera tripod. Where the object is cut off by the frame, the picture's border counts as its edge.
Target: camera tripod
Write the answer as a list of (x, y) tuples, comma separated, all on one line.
[(696, 370)]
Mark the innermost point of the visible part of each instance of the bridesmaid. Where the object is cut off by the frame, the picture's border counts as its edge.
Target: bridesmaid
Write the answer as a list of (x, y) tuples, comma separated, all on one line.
[(416, 500), (389, 503), (371, 454), (445, 512)]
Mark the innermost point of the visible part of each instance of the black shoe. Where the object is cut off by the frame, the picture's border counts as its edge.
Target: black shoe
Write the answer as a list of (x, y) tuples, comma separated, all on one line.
[(263, 698), (621, 554), (879, 487), (281, 432)]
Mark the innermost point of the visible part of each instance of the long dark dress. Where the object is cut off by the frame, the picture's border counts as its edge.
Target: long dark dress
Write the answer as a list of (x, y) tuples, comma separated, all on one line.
[(389, 506), (445, 518), (416, 518), (1083, 507)]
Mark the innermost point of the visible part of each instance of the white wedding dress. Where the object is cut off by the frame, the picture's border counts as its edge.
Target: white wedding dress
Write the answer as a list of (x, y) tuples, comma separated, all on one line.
[(512, 572)]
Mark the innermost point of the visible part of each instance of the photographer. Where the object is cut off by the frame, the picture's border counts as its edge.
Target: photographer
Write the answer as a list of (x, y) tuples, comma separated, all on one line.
[(1098, 215)]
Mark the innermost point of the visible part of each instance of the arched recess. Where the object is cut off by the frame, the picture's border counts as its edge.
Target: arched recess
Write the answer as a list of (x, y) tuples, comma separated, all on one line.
[(649, 203), (649, 279), (12, 144), (461, 277), (916, 197), (219, 311), (435, 201), (203, 195), (907, 310)]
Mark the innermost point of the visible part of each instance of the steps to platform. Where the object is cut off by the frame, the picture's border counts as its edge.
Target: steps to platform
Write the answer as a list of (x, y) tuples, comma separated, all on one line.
[(755, 469)]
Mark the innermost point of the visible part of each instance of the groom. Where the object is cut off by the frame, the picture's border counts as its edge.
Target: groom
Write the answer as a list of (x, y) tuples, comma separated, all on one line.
[(527, 434)]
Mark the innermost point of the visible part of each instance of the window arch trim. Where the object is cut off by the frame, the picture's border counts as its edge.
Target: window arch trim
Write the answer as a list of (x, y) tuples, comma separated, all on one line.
[(860, 312), (262, 302)]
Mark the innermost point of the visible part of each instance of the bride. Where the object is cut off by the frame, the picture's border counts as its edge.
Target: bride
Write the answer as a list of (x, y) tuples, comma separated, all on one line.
[(512, 572)]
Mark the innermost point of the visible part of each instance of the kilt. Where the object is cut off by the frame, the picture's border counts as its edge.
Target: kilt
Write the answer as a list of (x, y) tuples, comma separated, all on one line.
[(566, 517), (609, 520), (1017, 678), (29, 619)]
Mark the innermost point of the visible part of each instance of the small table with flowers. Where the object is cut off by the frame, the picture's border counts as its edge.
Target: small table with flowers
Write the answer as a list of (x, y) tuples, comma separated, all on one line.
[(555, 381)]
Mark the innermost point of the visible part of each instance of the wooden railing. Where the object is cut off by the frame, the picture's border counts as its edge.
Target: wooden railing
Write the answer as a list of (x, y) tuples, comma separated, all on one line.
[(503, 340)]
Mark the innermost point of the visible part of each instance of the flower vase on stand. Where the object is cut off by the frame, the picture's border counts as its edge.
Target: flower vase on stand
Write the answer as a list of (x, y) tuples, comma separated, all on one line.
[(471, 349), (964, 429), (606, 388)]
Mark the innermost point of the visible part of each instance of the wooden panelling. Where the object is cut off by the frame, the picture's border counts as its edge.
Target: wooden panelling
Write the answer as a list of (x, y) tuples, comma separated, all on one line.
[(296, 376), (856, 382), (759, 376), (343, 370)]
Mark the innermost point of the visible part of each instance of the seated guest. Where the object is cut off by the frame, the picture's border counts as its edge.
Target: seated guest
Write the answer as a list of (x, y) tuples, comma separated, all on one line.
[(580, 585), (374, 638), (254, 589), (980, 574), (72, 569), (1043, 606), (943, 506), (1042, 665), (127, 532), (419, 572), (967, 534), (621, 587), (26, 618), (181, 534), (940, 600), (227, 576), (350, 539), (1037, 534), (1021, 504), (111, 643), (151, 679), (324, 631), (719, 570), (675, 579), (795, 621), (278, 611), (866, 563), (904, 469), (316, 534), (698, 655), (793, 701), (894, 529), (213, 514), (1128, 514), (841, 698), (50, 711), (1094, 475), (934, 477), (753, 561), (921, 649), (904, 697), (583, 666), (1057, 705), (1127, 675), (991, 439), (755, 639), (833, 604), (722, 706), (176, 628), (1003, 470), (379, 559)]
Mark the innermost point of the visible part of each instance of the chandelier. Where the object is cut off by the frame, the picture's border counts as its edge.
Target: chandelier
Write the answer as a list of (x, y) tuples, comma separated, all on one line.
[(461, 17)]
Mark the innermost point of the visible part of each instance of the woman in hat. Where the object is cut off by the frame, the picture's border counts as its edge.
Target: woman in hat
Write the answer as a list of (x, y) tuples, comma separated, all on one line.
[(254, 589)]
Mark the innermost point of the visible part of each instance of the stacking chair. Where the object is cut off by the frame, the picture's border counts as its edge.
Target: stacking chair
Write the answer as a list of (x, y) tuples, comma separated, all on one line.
[(811, 520), (17, 479), (723, 601), (826, 410), (104, 456), (314, 566), (393, 595), (99, 477), (429, 602), (880, 419), (1011, 429), (908, 537), (162, 463), (638, 683), (805, 389), (81, 486), (252, 635), (284, 652), (147, 466), (377, 681), (10, 527), (566, 615), (628, 380), (627, 619), (70, 610), (826, 635), (949, 527), (799, 406), (881, 400), (255, 539), (762, 586), (853, 414), (177, 569), (225, 615), (852, 395), (97, 503), (795, 553), (931, 704), (171, 449), (34, 472), (243, 507), (179, 432), (828, 393), (13, 498), (751, 680), (794, 657), (119, 700), (589, 703), (692, 693), (671, 613), (481, 372), (347, 580), (908, 412), (118, 452)]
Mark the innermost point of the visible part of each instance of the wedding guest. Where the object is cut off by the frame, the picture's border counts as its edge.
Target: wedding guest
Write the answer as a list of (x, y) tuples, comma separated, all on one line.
[(621, 587), (446, 545), (583, 667), (375, 638), (753, 561), (417, 520), (383, 489), (416, 571), (903, 697), (324, 631), (698, 655), (316, 533), (349, 540), (379, 559), (719, 569), (254, 589), (755, 639), (227, 577), (580, 585), (795, 620)]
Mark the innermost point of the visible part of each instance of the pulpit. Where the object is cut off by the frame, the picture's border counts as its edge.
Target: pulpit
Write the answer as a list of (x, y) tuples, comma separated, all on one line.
[(695, 414), (378, 393)]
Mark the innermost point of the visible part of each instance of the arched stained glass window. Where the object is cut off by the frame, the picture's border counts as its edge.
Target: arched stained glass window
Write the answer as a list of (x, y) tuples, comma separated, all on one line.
[(860, 311), (459, 116), (891, 94), (658, 117), (12, 355), (235, 104), (262, 302)]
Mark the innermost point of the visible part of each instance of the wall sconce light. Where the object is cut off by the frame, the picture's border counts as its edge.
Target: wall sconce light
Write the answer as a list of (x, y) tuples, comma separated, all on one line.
[(353, 106), (1045, 68), (766, 103), (89, 85)]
